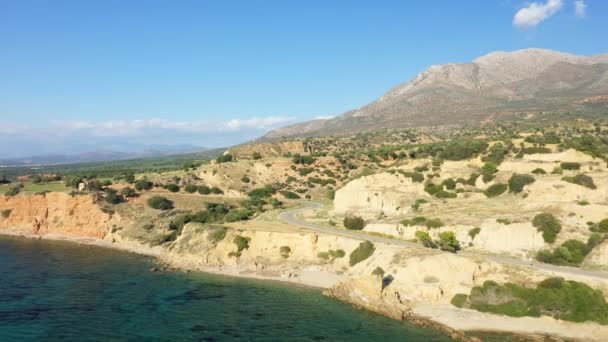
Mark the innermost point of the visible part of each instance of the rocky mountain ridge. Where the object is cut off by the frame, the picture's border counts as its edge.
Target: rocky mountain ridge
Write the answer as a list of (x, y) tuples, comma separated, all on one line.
[(500, 83)]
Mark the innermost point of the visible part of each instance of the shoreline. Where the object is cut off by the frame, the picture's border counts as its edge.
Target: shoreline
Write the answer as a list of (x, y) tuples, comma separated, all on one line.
[(438, 317)]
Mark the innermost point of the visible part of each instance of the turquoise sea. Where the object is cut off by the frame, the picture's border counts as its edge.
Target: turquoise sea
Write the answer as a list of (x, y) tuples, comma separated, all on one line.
[(59, 291)]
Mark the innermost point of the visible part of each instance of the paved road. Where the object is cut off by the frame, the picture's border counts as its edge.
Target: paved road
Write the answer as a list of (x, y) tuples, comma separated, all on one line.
[(290, 218)]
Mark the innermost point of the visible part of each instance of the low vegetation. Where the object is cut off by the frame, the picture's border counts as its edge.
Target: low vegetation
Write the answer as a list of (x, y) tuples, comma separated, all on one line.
[(159, 202), (582, 180), (354, 223), (364, 251), (555, 297), (548, 225)]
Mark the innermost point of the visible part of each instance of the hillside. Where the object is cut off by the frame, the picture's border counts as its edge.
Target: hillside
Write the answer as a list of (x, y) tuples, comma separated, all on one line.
[(488, 89)]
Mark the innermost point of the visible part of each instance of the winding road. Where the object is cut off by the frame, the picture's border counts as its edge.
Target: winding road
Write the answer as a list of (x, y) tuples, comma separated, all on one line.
[(290, 217)]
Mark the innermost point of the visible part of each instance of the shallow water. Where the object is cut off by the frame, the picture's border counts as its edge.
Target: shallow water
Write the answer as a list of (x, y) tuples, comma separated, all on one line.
[(53, 291)]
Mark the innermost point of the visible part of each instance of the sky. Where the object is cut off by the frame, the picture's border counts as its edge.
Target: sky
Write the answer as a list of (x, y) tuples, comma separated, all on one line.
[(80, 76)]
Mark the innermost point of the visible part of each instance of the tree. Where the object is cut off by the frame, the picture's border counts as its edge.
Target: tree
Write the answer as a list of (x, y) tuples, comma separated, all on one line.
[(354, 223), (172, 187), (190, 188), (158, 202), (225, 158), (129, 177), (128, 192), (448, 242), (548, 225), (517, 182)]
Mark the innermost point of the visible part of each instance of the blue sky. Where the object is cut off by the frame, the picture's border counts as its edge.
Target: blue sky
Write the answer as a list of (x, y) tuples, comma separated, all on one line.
[(82, 75)]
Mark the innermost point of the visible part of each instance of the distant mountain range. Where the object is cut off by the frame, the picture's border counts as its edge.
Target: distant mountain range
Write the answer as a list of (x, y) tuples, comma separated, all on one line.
[(500, 83), (99, 156)]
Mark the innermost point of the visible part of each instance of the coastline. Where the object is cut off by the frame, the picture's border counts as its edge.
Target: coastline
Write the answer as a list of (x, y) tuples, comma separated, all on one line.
[(460, 325)]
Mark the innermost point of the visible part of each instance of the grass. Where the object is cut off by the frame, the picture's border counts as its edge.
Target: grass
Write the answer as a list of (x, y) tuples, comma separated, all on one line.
[(31, 188)]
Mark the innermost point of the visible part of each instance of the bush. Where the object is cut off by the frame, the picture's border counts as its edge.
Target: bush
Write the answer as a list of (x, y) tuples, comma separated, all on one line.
[(290, 195), (582, 180), (517, 182), (203, 190), (539, 171), (172, 187), (561, 299), (378, 272), (224, 158), (548, 225), (238, 215), (256, 156), (6, 213), (594, 240), (603, 226), (448, 242), (462, 150), (216, 191), (434, 223), (416, 221), (474, 232), (305, 170), (364, 251), (445, 194), (190, 188), (216, 234), (264, 192), (242, 243), (495, 190), (13, 191), (570, 166), (245, 179), (535, 150), (128, 192), (143, 184), (570, 253), (112, 196), (285, 251), (158, 202), (459, 300), (449, 184), (354, 223), (425, 239)]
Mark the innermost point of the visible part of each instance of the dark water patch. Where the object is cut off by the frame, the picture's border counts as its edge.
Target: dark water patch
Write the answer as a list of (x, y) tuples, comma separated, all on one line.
[(57, 291)]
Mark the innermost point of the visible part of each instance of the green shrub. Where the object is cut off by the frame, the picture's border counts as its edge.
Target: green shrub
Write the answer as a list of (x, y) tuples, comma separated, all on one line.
[(6, 213), (561, 299), (216, 191), (203, 190), (548, 225), (338, 253), (595, 239), (216, 234), (128, 192), (264, 192), (238, 215), (354, 223), (474, 232), (285, 251), (331, 194), (143, 184), (535, 150), (461, 150), (364, 251), (111, 196), (459, 300), (13, 191), (539, 171), (323, 255), (416, 221), (570, 166), (434, 223), (449, 184), (172, 187), (425, 239), (517, 182), (256, 156), (305, 170), (445, 194), (448, 242), (241, 243), (290, 195), (603, 226), (570, 253), (245, 179), (158, 202), (190, 188), (495, 190), (582, 180), (416, 177), (378, 272), (224, 158)]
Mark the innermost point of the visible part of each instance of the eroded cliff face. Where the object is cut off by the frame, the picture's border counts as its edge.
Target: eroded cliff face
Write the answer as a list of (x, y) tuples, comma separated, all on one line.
[(56, 213)]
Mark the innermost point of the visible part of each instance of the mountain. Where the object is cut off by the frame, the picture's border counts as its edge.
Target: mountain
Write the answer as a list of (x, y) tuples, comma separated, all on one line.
[(499, 83), (101, 155)]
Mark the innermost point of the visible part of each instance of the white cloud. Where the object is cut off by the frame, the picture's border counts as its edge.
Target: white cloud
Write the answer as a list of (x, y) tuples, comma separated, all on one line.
[(535, 13), (580, 8), (158, 126), (324, 117)]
